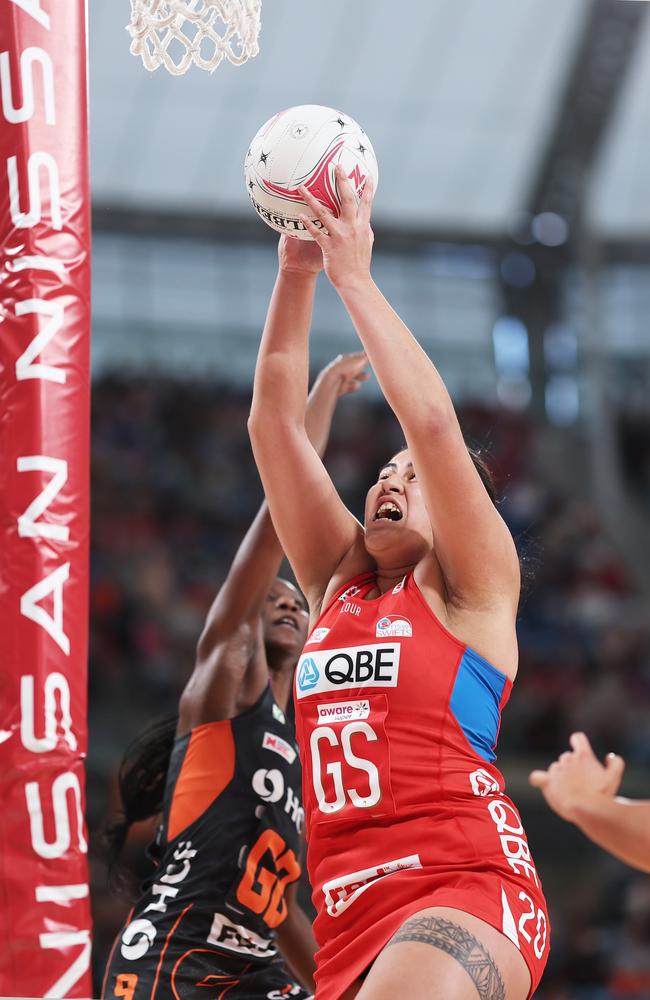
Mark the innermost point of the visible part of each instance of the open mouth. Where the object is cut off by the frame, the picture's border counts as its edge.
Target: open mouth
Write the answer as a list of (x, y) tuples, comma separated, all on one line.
[(287, 620), (388, 511)]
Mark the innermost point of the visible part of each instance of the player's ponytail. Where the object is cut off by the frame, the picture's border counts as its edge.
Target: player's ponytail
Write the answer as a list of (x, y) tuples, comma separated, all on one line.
[(528, 557), (141, 782), (484, 472)]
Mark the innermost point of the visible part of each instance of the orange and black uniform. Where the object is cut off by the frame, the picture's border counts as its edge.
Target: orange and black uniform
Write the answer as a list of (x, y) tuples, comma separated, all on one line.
[(228, 847)]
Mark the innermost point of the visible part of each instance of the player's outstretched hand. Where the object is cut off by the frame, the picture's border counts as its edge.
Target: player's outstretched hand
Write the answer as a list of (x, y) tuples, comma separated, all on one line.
[(578, 776), (341, 376), (346, 242), (299, 256), (346, 372)]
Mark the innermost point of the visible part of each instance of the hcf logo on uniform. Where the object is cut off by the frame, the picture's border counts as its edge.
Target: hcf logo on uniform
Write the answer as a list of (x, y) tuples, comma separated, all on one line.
[(372, 665)]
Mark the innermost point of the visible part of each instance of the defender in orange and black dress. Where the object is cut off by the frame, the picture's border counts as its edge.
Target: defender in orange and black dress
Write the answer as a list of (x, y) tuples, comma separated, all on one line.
[(229, 848), (220, 903)]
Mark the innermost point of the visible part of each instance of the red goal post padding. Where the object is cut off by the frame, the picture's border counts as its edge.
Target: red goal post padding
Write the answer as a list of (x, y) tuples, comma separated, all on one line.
[(44, 469)]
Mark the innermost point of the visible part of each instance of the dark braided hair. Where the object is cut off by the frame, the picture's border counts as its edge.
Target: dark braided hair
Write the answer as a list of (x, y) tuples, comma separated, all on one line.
[(141, 781)]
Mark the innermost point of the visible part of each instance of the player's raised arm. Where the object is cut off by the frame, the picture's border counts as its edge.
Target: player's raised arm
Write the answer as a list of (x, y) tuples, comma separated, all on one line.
[(304, 503), (472, 544), (228, 676)]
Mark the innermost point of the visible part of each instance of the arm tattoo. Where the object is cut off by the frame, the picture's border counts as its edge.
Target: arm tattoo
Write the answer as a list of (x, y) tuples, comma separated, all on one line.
[(461, 945)]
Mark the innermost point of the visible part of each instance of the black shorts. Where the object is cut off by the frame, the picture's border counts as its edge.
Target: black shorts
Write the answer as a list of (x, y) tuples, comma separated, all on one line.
[(203, 972)]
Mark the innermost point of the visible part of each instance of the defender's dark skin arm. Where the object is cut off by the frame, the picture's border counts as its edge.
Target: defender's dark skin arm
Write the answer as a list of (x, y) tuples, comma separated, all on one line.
[(231, 668), (296, 940)]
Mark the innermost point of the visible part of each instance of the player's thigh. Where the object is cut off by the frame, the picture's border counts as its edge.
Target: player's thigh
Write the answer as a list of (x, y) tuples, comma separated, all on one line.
[(440, 953)]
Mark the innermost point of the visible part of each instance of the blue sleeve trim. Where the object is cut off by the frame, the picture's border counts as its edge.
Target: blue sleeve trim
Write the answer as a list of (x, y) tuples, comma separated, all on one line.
[(475, 702)]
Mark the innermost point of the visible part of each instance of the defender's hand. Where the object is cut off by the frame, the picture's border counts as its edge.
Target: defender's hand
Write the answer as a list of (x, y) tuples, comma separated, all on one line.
[(578, 776), (346, 372)]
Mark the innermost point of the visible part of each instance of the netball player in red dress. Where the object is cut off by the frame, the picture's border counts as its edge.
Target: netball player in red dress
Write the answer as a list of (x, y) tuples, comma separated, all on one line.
[(422, 878)]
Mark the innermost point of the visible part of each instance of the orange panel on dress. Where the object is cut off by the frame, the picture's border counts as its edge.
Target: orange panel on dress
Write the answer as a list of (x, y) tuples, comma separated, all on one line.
[(208, 767)]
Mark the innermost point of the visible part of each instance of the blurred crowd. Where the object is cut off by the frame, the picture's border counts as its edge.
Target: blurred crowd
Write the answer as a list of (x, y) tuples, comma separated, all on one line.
[(634, 443), (174, 490)]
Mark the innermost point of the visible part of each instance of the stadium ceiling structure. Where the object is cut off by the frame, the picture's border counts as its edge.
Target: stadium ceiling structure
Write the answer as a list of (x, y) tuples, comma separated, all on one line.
[(464, 102)]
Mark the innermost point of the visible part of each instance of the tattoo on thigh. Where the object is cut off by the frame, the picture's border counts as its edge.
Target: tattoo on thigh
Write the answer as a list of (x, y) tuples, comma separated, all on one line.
[(461, 945)]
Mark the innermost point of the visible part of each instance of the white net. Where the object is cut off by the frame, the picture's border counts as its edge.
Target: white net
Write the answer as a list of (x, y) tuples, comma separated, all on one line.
[(177, 33)]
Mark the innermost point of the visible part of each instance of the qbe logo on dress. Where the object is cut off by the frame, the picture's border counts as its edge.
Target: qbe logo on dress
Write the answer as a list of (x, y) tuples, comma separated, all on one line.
[(393, 625), (370, 666)]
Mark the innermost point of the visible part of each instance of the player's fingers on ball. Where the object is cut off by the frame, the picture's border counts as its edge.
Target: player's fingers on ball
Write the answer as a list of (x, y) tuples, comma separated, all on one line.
[(346, 194), (317, 234), (317, 208), (580, 743), (365, 203)]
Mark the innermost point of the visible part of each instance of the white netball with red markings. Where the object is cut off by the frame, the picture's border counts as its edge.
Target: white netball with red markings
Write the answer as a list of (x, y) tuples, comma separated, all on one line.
[(302, 146)]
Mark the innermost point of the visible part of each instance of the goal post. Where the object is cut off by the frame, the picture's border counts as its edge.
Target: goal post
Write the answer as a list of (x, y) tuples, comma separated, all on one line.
[(44, 498)]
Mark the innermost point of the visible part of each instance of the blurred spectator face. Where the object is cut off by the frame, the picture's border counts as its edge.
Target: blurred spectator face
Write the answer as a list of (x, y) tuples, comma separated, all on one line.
[(285, 618)]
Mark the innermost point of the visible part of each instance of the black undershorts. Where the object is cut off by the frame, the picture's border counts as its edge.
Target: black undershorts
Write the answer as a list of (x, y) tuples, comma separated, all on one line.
[(205, 973)]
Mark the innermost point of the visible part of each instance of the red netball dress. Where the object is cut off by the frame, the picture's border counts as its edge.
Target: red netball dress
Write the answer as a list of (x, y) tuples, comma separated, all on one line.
[(397, 722)]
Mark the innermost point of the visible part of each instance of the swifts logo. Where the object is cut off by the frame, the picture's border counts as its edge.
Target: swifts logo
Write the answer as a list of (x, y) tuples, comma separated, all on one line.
[(317, 636), (393, 625)]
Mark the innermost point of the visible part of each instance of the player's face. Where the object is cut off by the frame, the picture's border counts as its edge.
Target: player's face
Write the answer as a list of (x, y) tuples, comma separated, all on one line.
[(285, 617), (396, 518)]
